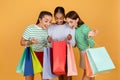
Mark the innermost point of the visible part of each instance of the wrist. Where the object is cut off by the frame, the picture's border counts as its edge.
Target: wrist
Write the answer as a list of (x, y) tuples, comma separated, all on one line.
[(28, 42)]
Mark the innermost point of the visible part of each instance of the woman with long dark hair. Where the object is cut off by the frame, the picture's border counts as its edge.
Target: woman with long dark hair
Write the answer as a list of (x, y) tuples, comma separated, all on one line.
[(61, 31), (36, 35), (83, 37)]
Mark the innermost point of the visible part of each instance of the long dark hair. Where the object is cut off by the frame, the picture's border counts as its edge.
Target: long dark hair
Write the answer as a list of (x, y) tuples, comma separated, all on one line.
[(59, 9), (73, 15), (42, 14)]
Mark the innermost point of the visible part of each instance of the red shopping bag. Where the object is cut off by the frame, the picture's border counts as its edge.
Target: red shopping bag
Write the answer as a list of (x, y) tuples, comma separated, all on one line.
[(59, 57), (88, 67)]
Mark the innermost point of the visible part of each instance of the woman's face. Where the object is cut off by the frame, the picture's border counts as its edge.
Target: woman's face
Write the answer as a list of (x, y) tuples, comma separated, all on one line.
[(59, 18), (46, 21), (71, 22)]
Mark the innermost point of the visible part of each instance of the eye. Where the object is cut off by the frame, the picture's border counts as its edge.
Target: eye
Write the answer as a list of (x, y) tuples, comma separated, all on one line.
[(46, 21), (50, 22), (56, 18), (67, 22), (71, 22), (61, 18)]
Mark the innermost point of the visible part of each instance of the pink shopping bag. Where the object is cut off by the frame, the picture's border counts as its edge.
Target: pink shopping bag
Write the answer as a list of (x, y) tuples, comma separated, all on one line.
[(71, 65)]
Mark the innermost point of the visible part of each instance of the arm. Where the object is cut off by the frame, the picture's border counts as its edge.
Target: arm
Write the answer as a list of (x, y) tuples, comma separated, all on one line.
[(49, 38), (90, 40), (25, 42), (71, 37), (92, 33), (26, 38)]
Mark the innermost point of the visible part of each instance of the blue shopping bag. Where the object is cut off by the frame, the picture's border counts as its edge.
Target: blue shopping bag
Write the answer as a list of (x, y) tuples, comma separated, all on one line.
[(28, 70), (29, 63), (99, 59), (21, 63), (47, 73)]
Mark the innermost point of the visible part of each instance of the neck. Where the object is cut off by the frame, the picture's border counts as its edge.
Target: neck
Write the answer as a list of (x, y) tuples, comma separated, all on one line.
[(41, 26), (76, 25)]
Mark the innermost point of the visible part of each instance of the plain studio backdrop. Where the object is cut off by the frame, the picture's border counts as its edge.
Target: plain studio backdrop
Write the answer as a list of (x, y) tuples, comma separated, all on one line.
[(16, 15)]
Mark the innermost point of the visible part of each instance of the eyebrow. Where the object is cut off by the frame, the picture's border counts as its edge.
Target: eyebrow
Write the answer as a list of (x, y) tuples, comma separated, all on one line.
[(46, 19)]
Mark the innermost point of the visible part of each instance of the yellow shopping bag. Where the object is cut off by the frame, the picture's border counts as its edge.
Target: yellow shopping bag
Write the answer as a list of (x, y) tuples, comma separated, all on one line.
[(36, 64)]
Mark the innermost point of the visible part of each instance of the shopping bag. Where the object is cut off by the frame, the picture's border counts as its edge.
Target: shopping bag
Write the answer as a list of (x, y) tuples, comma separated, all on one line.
[(51, 59), (59, 57), (71, 65), (37, 68), (88, 67), (28, 70), (47, 73), (99, 60), (21, 63)]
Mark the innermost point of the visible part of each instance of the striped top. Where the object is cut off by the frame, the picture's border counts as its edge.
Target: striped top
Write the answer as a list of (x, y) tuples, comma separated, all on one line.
[(33, 31), (60, 32), (81, 36)]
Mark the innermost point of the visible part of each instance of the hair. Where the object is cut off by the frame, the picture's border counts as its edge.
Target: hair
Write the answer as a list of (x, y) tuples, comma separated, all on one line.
[(42, 14), (59, 10), (73, 15)]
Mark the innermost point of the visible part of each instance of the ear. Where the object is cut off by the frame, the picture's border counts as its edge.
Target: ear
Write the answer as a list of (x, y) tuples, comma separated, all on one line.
[(77, 20), (39, 19)]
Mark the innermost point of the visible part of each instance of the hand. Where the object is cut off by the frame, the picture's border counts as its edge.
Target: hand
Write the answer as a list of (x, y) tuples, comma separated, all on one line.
[(69, 37), (92, 33), (49, 39), (34, 41)]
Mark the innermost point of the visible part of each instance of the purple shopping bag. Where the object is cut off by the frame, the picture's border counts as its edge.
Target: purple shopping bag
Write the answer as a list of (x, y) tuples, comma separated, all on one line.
[(47, 73)]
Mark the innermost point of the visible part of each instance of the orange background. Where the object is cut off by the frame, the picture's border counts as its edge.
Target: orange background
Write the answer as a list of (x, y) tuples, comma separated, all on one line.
[(15, 15)]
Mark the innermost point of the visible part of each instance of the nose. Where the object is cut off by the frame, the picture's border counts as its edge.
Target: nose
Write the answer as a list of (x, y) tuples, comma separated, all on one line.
[(69, 24), (59, 20), (48, 24)]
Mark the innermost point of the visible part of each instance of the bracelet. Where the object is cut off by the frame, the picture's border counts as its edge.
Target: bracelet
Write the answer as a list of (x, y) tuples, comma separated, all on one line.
[(28, 42)]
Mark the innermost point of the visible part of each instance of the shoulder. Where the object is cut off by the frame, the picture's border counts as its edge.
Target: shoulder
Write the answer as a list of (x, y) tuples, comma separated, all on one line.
[(31, 26), (66, 26), (51, 26), (85, 28)]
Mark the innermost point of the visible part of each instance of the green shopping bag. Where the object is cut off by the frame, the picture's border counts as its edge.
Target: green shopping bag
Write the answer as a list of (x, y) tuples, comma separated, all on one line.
[(37, 68), (21, 63), (29, 58), (100, 60)]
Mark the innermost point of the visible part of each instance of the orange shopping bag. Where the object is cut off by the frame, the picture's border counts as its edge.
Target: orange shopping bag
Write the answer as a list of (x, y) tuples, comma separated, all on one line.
[(88, 68)]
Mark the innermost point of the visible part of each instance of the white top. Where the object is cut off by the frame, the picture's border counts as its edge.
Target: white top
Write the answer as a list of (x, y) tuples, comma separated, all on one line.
[(60, 32), (33, 31)]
